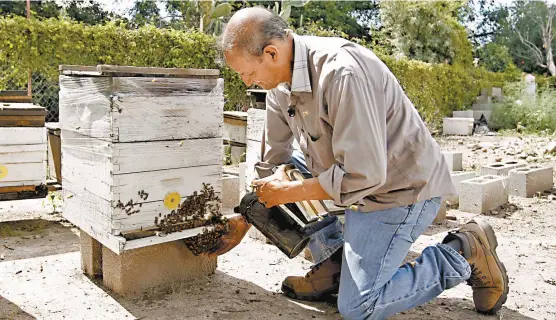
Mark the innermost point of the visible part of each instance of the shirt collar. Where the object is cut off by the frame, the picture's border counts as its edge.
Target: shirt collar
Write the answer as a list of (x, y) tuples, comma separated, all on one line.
[(301, 82)]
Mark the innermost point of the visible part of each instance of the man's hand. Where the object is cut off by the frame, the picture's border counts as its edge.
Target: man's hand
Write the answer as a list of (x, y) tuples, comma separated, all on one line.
[(238, 228), (274, 190)]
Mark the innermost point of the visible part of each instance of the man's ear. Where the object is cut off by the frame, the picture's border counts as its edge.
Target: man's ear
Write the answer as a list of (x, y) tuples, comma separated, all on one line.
[(272, 51)]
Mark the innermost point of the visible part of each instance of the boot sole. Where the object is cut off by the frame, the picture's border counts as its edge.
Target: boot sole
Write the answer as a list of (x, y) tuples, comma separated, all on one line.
[(310, 297), (493, 244)]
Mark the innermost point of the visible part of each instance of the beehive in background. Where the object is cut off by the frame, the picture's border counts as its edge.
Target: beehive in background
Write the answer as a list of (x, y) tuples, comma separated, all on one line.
[(135, 143), (22, 146)]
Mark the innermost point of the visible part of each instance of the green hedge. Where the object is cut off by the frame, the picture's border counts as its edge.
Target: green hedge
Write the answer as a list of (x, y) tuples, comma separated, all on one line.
[(42, 45)]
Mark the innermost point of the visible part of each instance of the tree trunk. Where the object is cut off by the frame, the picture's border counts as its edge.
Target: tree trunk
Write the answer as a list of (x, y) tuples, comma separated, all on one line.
[(550, 61)]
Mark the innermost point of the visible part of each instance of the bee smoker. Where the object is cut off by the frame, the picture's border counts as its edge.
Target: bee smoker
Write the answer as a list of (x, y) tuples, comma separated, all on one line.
[(289, 226)]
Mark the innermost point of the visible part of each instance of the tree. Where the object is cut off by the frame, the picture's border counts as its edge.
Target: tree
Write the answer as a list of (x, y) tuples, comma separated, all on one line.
[(535, 26), (427, 31), (355, 18), (44, 9), (88, 12), (145, 12), (495, 57)]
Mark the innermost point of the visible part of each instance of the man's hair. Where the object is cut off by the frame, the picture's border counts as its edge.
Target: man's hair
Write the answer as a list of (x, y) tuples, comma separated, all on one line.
[(254, 33)]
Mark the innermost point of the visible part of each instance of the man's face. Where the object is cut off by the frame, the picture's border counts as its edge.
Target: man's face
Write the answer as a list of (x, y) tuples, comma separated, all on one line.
[(262, 71)]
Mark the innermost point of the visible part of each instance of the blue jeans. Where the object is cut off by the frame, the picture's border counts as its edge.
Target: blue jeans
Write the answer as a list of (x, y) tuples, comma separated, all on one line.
[(374, 284)]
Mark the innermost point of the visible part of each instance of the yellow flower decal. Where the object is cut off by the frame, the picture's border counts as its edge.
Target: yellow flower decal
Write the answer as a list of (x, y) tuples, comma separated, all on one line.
[(3, 171), (172, 200)]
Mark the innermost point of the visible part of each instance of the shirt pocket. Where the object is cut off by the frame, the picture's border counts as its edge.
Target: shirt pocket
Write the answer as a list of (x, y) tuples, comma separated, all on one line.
[(322, 155)]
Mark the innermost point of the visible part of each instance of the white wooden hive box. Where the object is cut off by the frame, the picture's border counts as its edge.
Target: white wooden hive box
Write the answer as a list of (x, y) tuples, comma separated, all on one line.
[(135, 143)]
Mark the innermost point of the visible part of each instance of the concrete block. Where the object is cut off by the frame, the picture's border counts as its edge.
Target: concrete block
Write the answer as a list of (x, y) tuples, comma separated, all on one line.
[(526, 181), (483, 99), (454, 160), (477, 114), (242, 186), (501, 168), (458, 126), (482, 106), (497, 92), (441, 215), (463, 114), (483, 194), (457, 178), (163, 266), (230, 191), (91, 255)]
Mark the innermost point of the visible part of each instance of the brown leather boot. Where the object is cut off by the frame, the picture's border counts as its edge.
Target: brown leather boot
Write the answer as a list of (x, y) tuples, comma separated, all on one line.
[(488, 275), (322, 281)]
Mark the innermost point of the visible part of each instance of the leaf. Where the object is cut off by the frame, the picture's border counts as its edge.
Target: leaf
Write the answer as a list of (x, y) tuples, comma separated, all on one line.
[(285, 14), (221, 10)]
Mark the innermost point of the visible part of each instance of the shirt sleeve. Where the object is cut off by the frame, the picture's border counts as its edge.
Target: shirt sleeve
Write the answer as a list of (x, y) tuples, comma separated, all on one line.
[(278, 136), (357, 113)]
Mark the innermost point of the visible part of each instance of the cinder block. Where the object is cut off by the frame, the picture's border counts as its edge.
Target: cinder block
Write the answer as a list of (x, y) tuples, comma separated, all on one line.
[(165, 266), (463, 114), (457, 178), (91, 255), (477, 114), (483, 194), (441, 215), (501, 168), (230, 191), (526, 181), (458, 126), (242, 186), (497, 92), (483, 99), (454, 160)]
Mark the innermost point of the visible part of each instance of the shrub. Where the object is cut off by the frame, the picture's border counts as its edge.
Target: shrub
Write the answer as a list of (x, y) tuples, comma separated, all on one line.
[(526, 113)]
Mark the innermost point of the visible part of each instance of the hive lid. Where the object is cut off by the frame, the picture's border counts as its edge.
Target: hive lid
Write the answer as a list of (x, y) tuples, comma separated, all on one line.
[(129, 71), (25, 109), (236, 115)]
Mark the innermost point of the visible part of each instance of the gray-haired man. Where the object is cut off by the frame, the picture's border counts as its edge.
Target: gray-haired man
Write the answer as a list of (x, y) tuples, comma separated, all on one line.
[(366, 146)]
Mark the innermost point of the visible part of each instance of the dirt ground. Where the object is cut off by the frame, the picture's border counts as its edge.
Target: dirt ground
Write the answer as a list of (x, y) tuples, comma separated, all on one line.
[(40, 273)]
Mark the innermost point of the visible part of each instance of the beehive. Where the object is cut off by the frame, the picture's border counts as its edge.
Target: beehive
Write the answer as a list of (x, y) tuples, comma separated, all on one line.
[(22, 146), (135, 143)]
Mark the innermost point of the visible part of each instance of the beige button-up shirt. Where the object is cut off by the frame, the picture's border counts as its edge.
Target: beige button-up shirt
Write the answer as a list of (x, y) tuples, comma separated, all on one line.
[(360, 134)]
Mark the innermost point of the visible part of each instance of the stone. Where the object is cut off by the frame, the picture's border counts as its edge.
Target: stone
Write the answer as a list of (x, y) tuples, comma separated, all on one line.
[(527, 181), (165, 266), (454, 160), (501, 168), (483, 194), (457, 178), (230, 191), (550, 148), (458, 126), (91, 255)]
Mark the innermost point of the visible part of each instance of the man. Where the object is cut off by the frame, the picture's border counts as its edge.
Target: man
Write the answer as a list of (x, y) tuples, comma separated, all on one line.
[(369, 151)]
